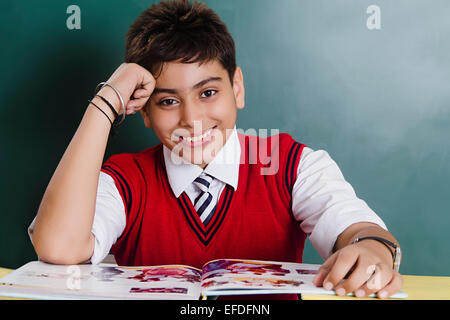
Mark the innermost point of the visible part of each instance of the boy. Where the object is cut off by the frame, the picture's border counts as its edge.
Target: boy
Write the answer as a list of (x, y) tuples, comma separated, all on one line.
[(180, 202)]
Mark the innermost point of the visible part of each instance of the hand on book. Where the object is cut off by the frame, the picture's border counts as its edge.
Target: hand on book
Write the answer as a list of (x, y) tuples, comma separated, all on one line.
[(363, 268)]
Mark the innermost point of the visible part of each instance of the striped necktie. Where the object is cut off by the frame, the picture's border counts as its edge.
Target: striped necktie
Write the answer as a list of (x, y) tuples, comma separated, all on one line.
[(203, 204)]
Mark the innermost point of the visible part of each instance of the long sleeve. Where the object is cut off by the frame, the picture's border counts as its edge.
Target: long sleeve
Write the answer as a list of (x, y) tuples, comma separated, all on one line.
[(324, 203)]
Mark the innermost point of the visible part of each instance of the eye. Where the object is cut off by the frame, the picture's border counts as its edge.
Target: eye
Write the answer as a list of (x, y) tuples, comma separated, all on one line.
[(167, 102), (208, 93)]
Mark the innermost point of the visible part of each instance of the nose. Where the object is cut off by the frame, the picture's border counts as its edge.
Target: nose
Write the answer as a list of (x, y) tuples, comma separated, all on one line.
[(191, 112)]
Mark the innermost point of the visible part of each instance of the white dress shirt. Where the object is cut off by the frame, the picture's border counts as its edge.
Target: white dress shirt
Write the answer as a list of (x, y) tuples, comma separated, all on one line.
[(321, 198)]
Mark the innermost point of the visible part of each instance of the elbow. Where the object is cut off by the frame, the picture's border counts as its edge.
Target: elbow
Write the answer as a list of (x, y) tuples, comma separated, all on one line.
[(59, 253), (60, 259)]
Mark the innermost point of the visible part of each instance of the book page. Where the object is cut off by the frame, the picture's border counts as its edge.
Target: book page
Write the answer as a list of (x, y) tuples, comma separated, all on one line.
[(41, 280), (235, 276)]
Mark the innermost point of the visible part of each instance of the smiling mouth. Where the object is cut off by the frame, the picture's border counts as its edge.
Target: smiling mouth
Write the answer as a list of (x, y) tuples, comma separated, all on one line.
[(193, 141)]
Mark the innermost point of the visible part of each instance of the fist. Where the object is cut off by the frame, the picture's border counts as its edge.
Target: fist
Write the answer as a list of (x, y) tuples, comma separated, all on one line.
[(134, 83)]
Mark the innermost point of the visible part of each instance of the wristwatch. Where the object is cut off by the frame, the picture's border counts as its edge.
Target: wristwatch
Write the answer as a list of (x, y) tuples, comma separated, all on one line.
[(396, 255)]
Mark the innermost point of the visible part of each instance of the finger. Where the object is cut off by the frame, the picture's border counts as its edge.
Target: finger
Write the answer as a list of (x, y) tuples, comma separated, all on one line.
[(130, 108), (358, 277), (345, 260), (141, 93), (320, 276), (146, 81), (324, 270), (393, 286), (135, 105), (381, 276)]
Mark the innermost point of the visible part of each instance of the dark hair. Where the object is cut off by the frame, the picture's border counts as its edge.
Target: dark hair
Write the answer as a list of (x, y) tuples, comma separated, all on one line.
[(179, 31)]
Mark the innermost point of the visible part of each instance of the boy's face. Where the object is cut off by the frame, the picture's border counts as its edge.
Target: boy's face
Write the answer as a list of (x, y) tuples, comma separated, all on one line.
[(193, 108)]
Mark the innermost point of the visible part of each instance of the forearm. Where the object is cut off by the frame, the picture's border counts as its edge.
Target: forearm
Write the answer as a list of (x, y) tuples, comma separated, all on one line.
[(62, 230), (65, 216)]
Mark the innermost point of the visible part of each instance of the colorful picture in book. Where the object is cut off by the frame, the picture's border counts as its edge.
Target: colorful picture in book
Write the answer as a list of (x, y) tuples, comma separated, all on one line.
[(244, 267), (107, 274), (182, 273), (210, 283), (306, 271), (159, 290), (249, 282)]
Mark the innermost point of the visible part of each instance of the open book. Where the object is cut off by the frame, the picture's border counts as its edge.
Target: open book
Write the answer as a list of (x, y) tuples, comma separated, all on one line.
[(39, 280)]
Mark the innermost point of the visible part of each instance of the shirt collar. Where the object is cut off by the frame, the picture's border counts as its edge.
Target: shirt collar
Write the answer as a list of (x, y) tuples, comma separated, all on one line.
[(224, 166)]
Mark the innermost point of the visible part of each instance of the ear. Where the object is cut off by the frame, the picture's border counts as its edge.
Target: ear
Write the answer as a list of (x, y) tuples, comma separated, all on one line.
[(238, 88), (145, 116)]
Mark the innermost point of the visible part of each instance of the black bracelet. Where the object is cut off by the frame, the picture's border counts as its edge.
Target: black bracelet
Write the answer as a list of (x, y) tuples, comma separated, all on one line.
[(396, 255), (381, 240), (90, 101), (109, 105)]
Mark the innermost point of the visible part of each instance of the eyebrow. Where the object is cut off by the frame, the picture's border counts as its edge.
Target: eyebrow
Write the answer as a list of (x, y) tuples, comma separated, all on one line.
[(196, 86)]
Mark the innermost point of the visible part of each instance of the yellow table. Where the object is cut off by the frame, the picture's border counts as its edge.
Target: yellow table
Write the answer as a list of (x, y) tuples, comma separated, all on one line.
[(417, 288), (4, 272)]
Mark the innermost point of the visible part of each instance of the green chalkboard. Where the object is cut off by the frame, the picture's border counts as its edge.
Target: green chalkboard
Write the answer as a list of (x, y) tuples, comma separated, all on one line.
[(371, 87)]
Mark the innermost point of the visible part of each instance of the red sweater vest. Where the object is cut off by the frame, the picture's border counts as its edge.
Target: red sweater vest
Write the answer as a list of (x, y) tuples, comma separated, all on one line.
[(254, 221)]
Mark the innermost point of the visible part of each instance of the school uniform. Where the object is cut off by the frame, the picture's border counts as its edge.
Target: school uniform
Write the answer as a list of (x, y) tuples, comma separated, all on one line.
[(145, 210)]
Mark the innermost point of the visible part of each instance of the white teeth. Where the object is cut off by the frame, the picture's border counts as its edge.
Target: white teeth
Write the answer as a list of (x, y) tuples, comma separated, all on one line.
[(198, 138)]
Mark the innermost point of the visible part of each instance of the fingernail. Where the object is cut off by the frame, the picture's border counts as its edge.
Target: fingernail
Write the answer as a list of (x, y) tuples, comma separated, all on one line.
[(316, 277), (328, 286), (382, 294), (315, 281), (340, 291), (360, 293)]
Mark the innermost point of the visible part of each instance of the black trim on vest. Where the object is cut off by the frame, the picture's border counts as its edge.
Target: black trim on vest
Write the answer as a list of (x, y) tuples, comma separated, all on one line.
[(192, 215), (206, 235), (292, 170), (227, 202), (189, 220), (122, 183), (290, 165)]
